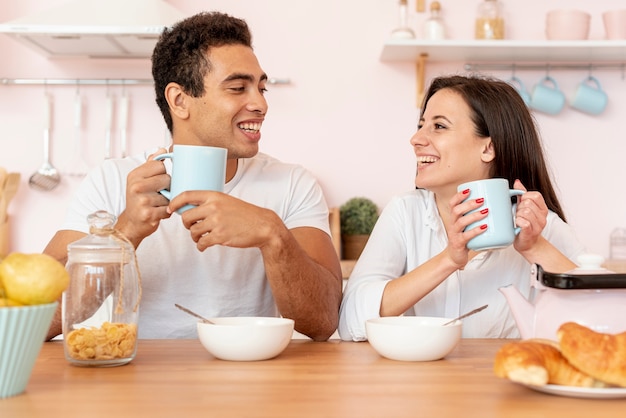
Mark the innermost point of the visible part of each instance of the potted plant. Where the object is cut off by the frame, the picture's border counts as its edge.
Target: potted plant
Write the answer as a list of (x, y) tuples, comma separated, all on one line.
[(358, 217)]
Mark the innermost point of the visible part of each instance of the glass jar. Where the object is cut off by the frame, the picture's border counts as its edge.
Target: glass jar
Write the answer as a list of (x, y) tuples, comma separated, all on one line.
[(618, 244), (489, 20), (101, 304)]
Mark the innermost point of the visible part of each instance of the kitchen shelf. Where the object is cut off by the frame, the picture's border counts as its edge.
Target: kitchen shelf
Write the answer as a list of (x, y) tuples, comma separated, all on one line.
[(501, 51), (505, 51)]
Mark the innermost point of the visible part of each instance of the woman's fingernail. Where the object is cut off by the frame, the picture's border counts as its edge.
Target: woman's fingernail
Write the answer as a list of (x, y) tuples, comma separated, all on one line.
[(466, 191), (480, 200), (484, 211), (483, 226)]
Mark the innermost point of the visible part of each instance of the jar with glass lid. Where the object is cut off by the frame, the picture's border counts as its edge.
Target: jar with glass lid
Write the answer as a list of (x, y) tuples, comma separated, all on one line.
[(101, 304), (489, 20)]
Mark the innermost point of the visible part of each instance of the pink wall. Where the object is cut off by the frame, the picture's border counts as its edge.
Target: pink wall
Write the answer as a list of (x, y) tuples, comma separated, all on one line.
[(346, 116)]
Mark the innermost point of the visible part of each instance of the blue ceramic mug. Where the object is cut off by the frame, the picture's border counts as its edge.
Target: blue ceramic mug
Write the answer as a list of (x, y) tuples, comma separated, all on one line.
[(195, 167), (501, 230), (519, 86), (589, 97), (547, 97)]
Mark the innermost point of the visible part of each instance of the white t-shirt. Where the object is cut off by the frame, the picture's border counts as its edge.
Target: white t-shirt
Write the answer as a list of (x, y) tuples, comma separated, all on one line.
[(221, 281), (410, 232)]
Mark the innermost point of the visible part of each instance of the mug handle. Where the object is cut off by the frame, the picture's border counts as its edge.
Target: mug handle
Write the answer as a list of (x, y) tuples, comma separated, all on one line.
[(591, 79), (159, 157), (515, 192)]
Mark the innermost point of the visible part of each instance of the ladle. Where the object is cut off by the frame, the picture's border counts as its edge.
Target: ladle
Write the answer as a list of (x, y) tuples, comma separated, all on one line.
[(192, 313), (466, 315), (47, 177)]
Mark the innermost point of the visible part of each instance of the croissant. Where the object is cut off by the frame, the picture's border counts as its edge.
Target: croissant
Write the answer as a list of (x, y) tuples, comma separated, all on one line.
[(538, 362), (602, 356)]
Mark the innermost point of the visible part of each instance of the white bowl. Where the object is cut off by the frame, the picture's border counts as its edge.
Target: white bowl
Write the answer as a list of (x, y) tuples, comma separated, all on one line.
[(413, 338), (23, 330), (567, 25), (246, 338)]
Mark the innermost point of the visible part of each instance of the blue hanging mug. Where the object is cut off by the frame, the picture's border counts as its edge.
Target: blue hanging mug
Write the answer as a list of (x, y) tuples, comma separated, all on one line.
[(547, 97)]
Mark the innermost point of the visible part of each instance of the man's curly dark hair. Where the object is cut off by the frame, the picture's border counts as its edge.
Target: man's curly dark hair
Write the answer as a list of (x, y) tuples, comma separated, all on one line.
[(180, 55)]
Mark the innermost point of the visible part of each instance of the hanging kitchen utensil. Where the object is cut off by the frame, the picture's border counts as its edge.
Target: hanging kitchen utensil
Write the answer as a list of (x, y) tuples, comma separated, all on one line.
[(47, 177), (108, 121), (79, 166), (123, 121)]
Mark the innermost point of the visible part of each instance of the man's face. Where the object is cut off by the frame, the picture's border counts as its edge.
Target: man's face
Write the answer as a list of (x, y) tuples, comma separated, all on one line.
[(233, 107)]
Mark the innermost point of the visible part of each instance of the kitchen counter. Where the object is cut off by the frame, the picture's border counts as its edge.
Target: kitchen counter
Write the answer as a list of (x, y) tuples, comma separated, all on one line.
[(309, 379)]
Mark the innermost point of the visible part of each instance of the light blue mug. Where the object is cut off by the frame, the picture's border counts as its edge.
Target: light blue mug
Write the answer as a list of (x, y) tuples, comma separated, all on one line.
[(500, 220), (195, 167), (589, 97), (519, 86), (547, 97)]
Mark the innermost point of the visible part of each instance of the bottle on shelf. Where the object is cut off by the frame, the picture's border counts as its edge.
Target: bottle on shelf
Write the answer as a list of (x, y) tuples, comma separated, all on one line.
[(489, 20), (618, 244), (434, 28), (403, 31)]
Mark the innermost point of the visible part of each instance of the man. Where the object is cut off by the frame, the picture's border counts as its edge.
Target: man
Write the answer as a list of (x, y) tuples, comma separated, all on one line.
[(260, 248)]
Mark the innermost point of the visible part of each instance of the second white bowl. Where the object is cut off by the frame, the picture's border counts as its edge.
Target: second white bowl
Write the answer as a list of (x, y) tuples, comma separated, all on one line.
[(246, 338), (413, 338)]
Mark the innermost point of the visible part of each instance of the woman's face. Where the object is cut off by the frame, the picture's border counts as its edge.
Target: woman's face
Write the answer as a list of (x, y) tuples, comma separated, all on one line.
[(447, 149)]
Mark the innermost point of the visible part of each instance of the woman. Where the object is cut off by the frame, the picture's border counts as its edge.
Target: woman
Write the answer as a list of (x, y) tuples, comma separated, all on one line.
[(416, 261)]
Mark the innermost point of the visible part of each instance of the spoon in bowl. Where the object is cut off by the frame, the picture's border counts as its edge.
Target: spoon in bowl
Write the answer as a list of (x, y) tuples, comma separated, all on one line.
[(192, 313), (466, 315)]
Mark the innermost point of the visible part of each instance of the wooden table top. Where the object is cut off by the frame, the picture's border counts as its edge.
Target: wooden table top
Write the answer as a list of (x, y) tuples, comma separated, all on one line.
[(178, 378)]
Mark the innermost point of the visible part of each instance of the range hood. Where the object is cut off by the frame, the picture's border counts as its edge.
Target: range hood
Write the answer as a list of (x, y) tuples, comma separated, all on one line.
[(95, 28)]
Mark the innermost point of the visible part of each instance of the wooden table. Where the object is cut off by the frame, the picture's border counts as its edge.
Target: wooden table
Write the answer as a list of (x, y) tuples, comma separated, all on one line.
[(178, 378)]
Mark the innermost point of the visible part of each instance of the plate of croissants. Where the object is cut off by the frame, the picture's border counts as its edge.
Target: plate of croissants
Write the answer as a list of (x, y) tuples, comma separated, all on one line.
[(583, 363)]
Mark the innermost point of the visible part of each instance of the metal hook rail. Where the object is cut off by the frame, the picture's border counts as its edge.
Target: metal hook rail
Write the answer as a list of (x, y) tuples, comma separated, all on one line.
[(514, 67), (75, 81), (98, 81)]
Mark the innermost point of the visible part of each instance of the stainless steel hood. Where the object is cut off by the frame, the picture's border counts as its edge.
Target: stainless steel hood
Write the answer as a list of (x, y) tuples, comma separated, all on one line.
[(95, 28)]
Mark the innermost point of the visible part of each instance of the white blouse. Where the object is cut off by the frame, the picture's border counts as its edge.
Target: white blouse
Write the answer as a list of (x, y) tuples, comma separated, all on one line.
[(408, 233)]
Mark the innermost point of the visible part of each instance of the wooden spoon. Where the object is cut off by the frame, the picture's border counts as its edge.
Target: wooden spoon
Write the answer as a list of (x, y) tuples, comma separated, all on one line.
[(11, 185)]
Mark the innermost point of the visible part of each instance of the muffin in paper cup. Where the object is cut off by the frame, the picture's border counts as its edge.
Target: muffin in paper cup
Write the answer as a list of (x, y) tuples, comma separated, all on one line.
[(23, 330)]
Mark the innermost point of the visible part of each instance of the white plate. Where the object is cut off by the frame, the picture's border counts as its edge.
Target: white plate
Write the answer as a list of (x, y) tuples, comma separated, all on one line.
[(578, 392)]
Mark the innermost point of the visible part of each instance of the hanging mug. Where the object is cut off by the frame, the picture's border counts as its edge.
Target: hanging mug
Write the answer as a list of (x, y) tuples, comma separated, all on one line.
[(547, 97), (589, 97), (520, 88)]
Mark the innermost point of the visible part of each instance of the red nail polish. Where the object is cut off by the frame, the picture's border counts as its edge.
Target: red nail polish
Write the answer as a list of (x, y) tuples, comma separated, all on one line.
[(480, 200), (484, 211), (483, 226), (466, 191)]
